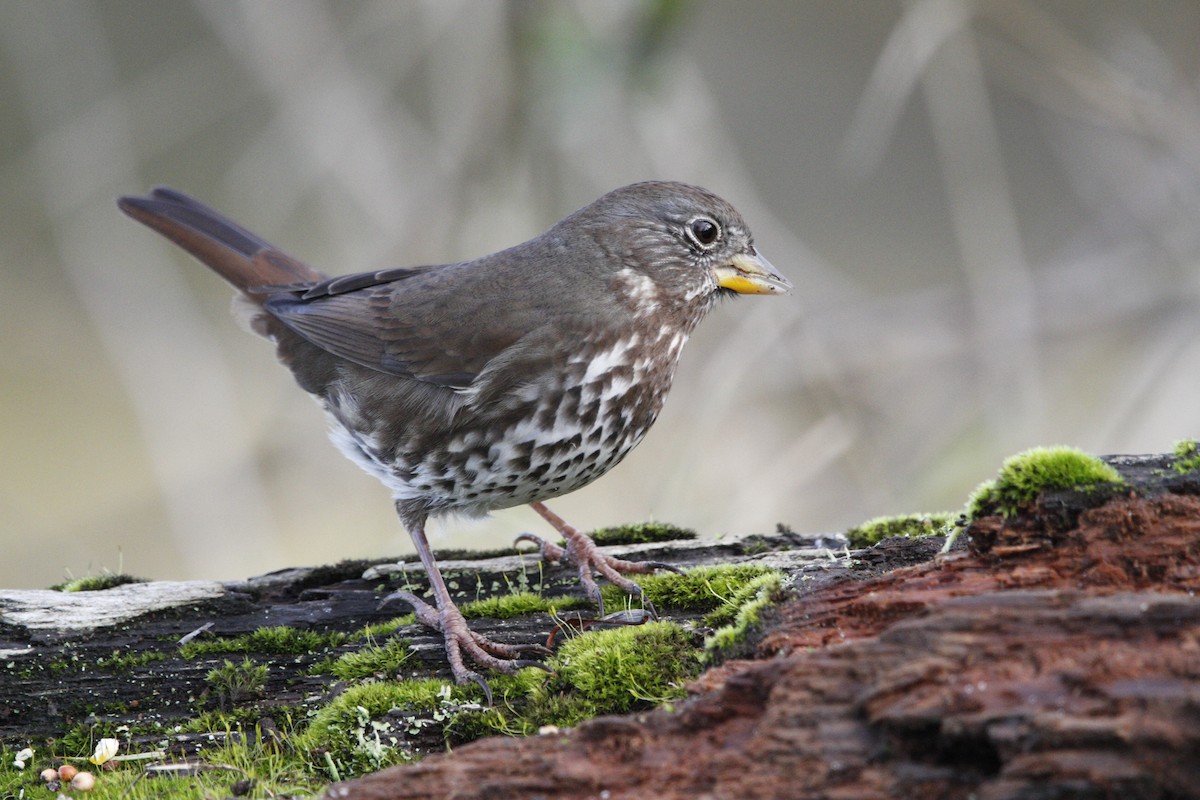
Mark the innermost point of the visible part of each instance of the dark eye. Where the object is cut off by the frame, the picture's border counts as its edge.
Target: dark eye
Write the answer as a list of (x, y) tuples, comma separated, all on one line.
[(704, 231)]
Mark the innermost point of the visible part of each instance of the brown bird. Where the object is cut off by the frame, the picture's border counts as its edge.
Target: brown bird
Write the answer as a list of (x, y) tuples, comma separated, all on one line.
[(485, 384)]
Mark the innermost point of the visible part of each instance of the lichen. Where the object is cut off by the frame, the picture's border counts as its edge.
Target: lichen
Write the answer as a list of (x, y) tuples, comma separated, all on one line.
[(369, 726)]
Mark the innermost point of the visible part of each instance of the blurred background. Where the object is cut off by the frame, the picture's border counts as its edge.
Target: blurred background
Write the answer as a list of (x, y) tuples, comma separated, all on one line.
[(991, 212)]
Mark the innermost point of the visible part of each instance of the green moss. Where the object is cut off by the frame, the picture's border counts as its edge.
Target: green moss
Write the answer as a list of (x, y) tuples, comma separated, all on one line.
[(280, 640), (749, 603), (368, 726), (610, 671), (1026, 475), (750, 592), (120, 660), (219, 721), (699, 589), (622, 669), (372, 660), (96, 583), (519, 605), (641, 533), (382, 630), (1187, 456), (910, 526), (233, 684)]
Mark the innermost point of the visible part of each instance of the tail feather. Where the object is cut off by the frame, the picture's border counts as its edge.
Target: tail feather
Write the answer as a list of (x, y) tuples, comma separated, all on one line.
[(249, 263)]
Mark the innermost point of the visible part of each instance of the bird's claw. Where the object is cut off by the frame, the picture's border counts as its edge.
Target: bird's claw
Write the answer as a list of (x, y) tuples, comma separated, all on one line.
[(462, 642), (548, 550), (585, 554), (477, 679)]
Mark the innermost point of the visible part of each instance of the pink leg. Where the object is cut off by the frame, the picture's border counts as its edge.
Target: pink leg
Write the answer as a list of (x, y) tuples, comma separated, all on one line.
[(460, 640), (585, 554)]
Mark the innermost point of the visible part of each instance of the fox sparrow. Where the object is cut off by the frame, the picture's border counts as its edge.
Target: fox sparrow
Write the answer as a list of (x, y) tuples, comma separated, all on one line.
[(485, 384)]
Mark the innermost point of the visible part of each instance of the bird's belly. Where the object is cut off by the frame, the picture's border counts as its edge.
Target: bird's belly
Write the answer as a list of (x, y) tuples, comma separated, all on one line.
[(559, 443), (479, 470), (541, 440)]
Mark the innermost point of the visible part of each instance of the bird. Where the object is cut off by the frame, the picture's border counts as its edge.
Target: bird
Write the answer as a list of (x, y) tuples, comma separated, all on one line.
[(500, 381)]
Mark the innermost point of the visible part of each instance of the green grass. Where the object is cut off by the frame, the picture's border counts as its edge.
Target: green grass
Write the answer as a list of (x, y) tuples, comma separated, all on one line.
[(272, 772), (381, 630), (120, 661)]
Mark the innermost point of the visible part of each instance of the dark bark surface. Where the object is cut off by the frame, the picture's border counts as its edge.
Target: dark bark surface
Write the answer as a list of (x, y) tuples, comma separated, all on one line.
[(56, 647)]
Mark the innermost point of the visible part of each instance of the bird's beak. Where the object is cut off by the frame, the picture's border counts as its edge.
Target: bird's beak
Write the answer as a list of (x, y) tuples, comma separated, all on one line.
[(750, 273)]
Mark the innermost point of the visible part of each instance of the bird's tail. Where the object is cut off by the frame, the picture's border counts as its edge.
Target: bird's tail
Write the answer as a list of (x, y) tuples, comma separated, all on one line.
[(238, 256)]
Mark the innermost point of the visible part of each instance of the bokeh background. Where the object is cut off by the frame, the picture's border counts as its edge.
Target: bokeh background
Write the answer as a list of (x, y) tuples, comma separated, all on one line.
[(991, 211)]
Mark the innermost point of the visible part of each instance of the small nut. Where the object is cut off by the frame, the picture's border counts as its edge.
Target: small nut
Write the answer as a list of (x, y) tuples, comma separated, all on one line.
[(49, 774), (66, 772), (83, 782)]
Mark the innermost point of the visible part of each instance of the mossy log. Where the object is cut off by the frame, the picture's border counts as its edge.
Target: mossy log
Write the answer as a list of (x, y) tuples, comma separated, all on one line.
[(1052, 653), (177, 663)]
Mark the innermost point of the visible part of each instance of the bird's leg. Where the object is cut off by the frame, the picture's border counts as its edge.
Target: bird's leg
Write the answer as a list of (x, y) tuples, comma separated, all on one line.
[(460, 640), (585, 554)]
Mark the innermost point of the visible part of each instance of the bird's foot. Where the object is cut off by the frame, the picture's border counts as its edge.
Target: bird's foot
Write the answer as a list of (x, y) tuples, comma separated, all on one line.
[(462, 643), (587, 556)]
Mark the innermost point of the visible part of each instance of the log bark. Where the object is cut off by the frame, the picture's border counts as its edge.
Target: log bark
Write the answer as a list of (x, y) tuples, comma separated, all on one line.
[(57, 649)]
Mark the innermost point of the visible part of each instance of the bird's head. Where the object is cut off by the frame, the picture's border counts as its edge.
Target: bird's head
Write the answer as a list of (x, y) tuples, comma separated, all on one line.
[(675, 244)]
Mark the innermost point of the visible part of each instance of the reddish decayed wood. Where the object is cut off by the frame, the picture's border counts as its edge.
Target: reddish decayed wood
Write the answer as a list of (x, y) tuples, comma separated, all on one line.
[(1045, 661)]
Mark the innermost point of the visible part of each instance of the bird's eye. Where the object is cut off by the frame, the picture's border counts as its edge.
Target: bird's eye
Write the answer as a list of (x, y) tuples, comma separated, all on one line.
[(704, 232)]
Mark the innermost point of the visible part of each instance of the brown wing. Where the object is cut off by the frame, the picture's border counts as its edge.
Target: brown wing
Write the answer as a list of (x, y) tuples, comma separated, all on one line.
[(361, 318), (441, 324)]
